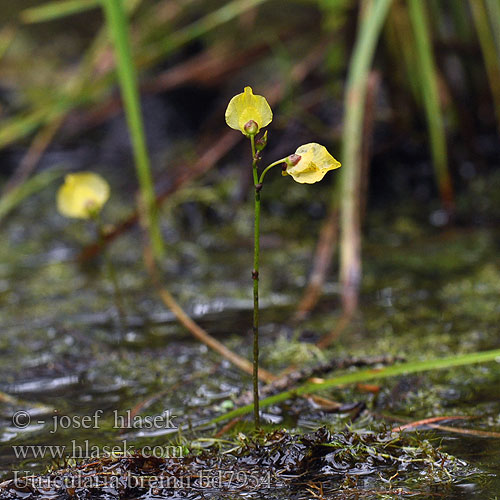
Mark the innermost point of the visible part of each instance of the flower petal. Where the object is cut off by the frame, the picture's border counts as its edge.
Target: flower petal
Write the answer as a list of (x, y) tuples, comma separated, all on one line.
[(245, 107), (315, 162), (82, 195)]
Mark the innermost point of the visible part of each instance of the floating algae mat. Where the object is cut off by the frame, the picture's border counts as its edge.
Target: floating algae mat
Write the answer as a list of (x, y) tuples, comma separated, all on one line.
[(278, 464)]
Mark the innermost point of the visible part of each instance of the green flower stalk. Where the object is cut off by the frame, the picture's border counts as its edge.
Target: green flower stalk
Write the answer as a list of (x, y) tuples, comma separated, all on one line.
[(249, 113), (82, 196)]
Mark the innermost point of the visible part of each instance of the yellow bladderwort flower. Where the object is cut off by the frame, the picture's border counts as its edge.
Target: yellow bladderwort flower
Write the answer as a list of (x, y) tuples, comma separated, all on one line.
[(82, 195), (310, 163), (247, 107)]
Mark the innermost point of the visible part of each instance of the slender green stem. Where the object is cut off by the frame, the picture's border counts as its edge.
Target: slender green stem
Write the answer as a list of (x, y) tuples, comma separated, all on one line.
[(111, 272), (255, 276), (118, 26), (264, 172), (254, 161)]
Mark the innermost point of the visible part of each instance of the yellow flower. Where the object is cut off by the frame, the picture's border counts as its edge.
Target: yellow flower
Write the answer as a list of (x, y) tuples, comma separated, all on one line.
[(82, 195), (246, 107), (310, 163)]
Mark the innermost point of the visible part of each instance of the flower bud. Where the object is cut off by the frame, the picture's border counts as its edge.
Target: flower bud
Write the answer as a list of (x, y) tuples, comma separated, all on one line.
[(293, 159), (261, 143), (251, 127)]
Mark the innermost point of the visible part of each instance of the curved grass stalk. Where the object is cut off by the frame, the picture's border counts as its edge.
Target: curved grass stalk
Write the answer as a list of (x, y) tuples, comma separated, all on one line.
[(366, 375)]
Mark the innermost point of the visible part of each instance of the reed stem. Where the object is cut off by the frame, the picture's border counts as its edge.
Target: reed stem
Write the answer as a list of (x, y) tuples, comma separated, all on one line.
[(428, 79), (118, 27), (355, 97)]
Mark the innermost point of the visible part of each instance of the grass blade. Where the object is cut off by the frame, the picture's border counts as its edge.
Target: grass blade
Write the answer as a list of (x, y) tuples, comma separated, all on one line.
[(12, 129), (459, 13), (493, 7), (367, 375), (490, 55), (89, 92), (16, 195), (55, 10), (400, 43), (118, 27), (198, 28), (354, 105), (428, 78), (7, 34)]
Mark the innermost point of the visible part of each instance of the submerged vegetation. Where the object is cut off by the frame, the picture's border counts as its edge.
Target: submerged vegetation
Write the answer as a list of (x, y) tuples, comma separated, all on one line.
[(365, 372)]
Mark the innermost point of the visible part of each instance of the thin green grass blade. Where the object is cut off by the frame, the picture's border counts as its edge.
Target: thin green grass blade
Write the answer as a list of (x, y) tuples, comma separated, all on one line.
[(11, 199), (118, 27), (428, 77), (55, 10), (460, 15), (354, 105), (493, 7), (19, 126), (367, 375), (224, 14), (7, 34), (88, 89), (490, 55), (82, 89), (400, 43)]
